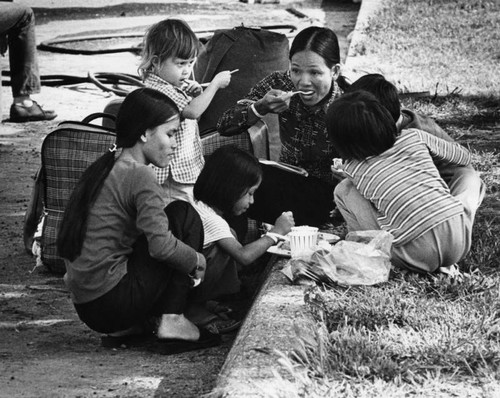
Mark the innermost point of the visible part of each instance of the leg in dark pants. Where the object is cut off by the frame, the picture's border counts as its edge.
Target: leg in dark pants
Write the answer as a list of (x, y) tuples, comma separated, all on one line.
[(18, 22), (150, 287)]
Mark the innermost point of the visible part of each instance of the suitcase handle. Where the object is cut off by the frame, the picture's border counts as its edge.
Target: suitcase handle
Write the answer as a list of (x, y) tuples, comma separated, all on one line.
[(98, 115)]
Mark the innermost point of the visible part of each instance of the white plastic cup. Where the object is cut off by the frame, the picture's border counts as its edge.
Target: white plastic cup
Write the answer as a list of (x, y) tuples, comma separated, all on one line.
[(303, 240)]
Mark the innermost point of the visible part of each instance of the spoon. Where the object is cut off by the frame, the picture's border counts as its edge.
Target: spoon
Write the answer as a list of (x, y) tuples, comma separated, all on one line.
[(301, 92), (289, 94)]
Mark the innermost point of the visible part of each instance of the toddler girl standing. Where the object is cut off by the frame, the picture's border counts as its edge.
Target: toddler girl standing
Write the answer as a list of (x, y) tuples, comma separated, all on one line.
[(170, 51)]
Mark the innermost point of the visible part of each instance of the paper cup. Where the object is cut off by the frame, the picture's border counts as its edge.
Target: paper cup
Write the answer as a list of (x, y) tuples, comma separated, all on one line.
[(303, 240)]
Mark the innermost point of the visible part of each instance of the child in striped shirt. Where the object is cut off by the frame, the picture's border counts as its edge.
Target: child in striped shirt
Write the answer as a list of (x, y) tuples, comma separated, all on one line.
[(393, 184)]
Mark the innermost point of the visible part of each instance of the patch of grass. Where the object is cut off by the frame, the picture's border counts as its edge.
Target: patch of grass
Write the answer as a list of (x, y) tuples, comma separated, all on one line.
[(398, 338), (448, 44)]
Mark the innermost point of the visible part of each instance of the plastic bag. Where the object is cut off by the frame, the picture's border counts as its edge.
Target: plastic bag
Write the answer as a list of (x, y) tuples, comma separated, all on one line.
[(362, 259)]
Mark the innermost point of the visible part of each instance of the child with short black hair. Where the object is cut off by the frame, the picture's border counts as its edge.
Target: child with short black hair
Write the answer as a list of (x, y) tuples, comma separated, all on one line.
[(388, 95), (463, 179), (392, 184), (169, 53)]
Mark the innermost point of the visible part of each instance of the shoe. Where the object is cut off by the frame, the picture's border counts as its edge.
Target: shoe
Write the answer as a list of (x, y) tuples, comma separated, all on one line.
[(452, 271), (221, 310), (22, 114)]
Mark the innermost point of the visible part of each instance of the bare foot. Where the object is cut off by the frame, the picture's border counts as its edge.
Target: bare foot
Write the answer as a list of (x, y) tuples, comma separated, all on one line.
[(177, 326)]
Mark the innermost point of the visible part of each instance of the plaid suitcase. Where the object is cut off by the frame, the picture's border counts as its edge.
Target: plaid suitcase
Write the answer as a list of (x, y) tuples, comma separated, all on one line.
[(255, 140), (66, 153)]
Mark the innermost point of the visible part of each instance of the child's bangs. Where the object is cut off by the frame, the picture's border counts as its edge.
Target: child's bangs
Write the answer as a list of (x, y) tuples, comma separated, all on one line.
[(186, 47)]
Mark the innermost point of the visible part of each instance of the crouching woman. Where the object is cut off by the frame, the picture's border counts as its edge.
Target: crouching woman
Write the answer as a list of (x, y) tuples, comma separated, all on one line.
[(128, 258)]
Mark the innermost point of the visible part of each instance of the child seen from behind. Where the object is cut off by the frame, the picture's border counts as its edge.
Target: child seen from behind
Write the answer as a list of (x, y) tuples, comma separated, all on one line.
[(170, 51), (460, 179), (393, 184)]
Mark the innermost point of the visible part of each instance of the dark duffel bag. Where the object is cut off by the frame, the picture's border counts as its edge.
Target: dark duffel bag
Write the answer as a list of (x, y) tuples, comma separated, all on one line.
[(255, 52)]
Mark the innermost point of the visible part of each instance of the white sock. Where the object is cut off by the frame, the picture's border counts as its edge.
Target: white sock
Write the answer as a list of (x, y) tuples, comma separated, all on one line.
[(27, 103)]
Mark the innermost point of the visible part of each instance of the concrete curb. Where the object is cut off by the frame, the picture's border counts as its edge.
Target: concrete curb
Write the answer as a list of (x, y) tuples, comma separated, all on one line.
[(250, 368)]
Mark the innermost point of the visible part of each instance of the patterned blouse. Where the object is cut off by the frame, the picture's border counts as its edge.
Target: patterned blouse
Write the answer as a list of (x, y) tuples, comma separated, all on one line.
[(188, 157), (404, 185), (304, 139)]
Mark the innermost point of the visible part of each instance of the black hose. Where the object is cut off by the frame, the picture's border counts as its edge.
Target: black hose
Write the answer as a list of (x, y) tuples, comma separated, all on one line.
[(106, 81), (101, 79), (54, 45)]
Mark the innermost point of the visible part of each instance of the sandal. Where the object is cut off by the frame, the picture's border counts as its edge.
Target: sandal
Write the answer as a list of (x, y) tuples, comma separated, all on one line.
[(219, 309), (177, 346), (223, 326), (151, 343), (21, 114)]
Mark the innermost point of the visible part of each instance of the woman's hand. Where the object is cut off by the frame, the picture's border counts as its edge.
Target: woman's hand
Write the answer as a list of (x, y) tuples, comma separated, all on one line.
[(275, 101), (284, 223)]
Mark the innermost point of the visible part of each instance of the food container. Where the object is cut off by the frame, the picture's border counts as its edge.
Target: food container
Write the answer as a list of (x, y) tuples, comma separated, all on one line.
[(303, 240)]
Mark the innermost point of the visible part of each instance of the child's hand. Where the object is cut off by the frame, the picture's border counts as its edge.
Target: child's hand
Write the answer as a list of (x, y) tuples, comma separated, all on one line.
[(336, 168), (192, 88), (222, 79), (284, 223), (199, 272)]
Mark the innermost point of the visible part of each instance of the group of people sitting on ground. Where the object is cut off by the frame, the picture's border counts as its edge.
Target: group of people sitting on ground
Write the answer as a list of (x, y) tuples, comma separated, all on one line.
[(146, 243)]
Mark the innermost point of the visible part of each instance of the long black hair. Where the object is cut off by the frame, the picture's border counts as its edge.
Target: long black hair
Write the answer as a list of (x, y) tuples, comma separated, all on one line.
[(359, 126), (142, 109), (228, 173)]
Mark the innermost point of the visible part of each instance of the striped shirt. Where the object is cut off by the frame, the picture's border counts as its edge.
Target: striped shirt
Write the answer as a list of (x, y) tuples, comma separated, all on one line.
[(214, 226), (404, 185), (303, 135), (188, 159)]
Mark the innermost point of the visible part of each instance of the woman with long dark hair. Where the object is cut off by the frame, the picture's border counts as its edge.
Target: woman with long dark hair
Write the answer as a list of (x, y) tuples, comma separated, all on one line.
[(299, 97), (129, 259)]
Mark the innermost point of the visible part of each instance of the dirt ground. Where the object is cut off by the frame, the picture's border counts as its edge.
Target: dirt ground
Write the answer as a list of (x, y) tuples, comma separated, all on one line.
[(44, 349)]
